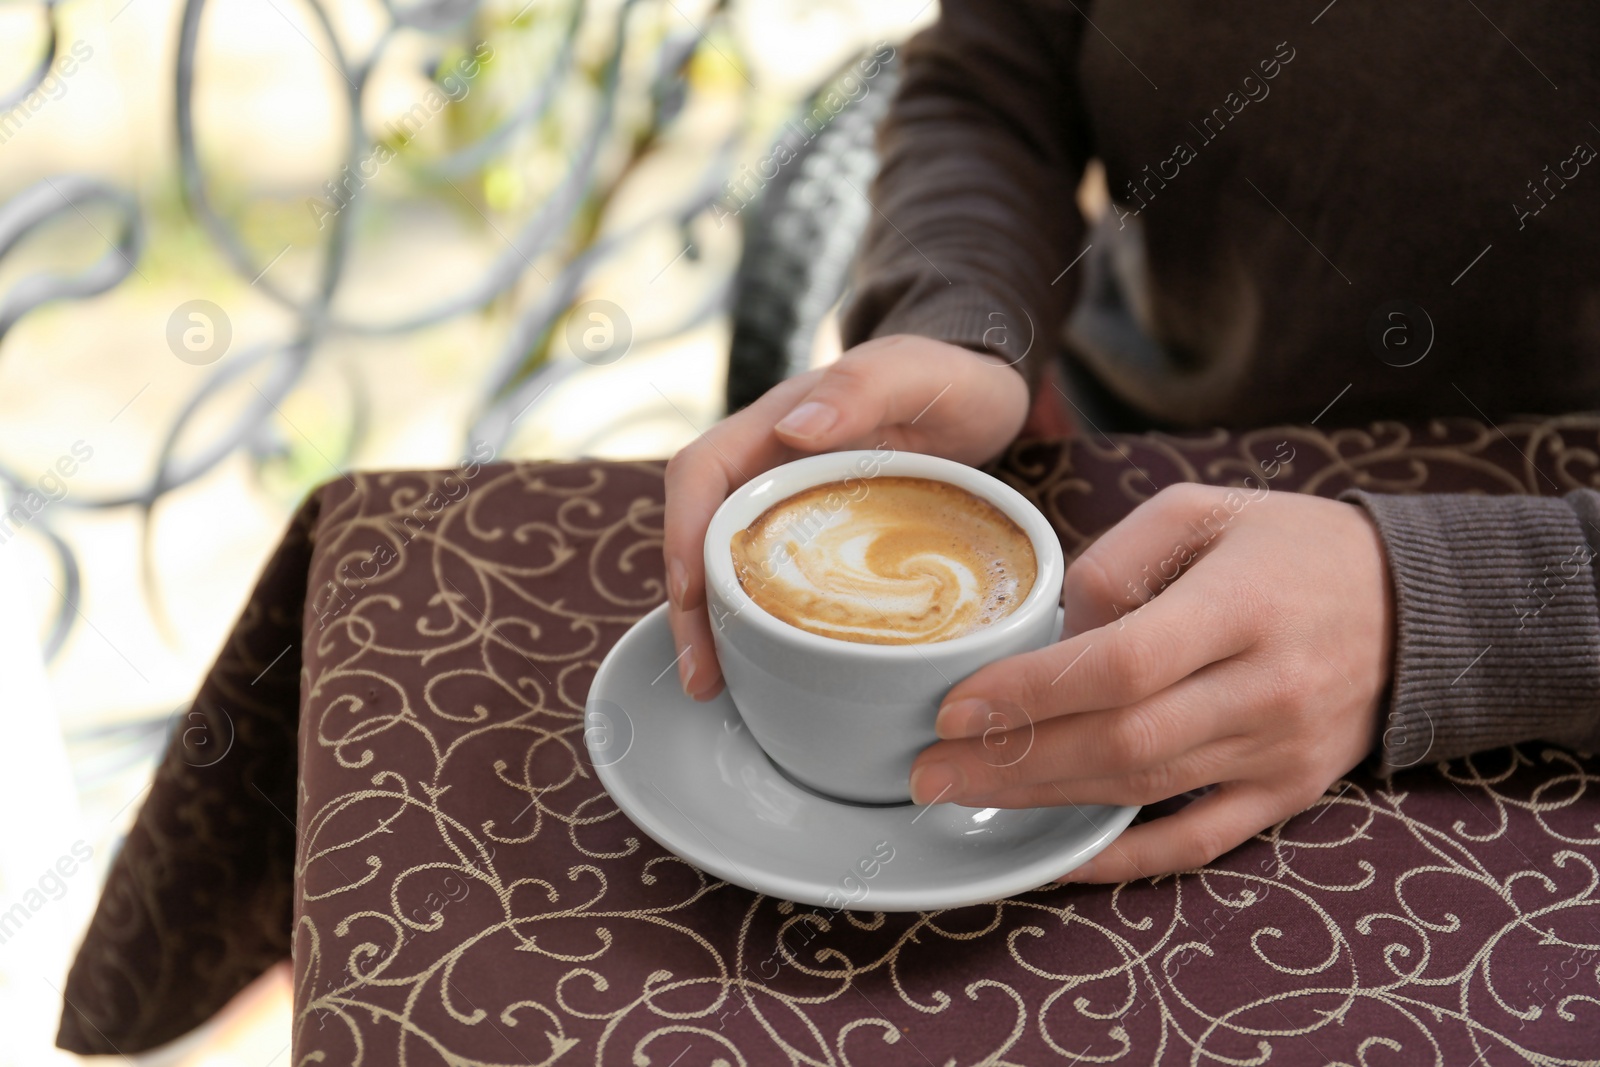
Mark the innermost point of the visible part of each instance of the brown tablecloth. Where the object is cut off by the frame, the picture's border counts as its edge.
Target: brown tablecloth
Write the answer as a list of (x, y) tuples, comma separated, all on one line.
[(386, 779)]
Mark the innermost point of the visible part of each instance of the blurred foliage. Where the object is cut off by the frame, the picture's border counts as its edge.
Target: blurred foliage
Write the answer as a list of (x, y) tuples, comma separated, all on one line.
[(538, 157)]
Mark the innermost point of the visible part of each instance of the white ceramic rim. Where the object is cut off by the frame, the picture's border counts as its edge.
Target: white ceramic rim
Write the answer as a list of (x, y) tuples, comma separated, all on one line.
[(708, 854), (768, 488)]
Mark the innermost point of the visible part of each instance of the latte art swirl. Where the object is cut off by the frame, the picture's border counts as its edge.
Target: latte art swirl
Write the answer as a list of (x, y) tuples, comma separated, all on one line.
[(891, 560)]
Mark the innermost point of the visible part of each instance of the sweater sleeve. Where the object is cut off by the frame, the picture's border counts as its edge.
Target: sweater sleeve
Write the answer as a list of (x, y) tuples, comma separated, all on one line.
[(1497, 622), (975, 213)]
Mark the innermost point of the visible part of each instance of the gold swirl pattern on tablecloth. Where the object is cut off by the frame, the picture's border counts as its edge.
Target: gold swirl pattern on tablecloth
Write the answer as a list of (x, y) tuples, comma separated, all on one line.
[(466, 894)]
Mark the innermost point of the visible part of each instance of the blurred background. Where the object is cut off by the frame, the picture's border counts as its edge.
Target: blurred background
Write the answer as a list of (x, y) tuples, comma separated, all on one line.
[(247, 243)]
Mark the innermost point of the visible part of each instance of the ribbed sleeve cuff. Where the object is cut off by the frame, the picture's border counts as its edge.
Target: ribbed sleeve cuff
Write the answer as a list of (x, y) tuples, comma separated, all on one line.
[(959, 314), (961, 318), (1497, 625)]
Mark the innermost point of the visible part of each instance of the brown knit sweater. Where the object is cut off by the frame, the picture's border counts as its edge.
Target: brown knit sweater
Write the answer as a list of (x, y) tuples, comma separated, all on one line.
[(1304, 198)]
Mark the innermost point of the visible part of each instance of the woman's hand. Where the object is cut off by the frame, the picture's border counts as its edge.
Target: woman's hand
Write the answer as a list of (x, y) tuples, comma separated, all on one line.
[(911, 392), (1259, 667)]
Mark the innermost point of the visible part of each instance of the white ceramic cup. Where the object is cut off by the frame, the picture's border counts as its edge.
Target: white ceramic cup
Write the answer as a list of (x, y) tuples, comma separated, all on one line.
[(847, 718)]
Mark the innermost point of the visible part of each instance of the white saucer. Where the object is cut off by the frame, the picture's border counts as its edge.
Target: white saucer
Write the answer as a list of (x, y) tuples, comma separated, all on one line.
[(691, 776)]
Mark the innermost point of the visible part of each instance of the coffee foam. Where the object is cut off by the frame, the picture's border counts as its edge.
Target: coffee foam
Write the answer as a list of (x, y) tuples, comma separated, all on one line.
[(889, 560)]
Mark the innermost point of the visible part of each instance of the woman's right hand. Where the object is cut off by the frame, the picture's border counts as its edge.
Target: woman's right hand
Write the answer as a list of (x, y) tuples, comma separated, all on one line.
[(911, 393)]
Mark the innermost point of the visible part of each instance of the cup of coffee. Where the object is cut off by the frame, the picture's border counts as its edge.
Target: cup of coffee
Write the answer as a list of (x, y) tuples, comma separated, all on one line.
[(848, 592)]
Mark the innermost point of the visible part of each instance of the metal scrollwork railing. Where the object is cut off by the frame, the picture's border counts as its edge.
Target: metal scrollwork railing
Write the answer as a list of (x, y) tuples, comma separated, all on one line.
[(563, 227)]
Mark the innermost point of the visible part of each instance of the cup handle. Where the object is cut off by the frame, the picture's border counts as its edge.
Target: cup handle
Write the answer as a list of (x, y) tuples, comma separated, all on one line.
[(1061, 620)]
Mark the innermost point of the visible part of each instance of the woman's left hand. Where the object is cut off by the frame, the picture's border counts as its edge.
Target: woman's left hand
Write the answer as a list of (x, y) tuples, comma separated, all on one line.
[(1233, 637)]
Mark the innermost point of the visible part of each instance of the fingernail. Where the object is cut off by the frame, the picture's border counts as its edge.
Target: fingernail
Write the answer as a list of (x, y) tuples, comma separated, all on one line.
[(709, 693), (1084, 873), (686, 669), (808, 420), (677, 582), (961, 718), (935, 782)]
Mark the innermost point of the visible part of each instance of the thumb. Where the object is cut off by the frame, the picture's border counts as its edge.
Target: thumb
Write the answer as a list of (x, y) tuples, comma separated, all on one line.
[(1150, 549), (901, 381)]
